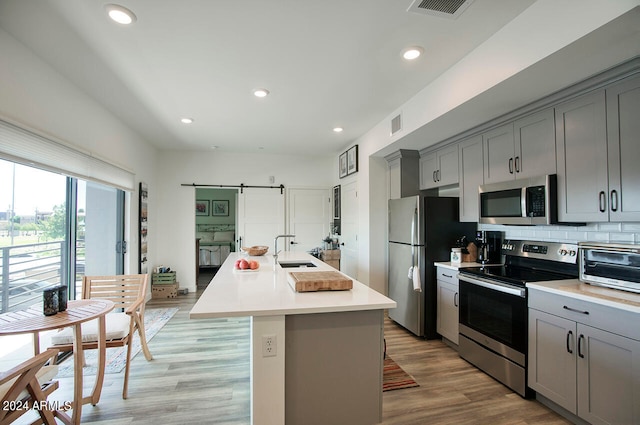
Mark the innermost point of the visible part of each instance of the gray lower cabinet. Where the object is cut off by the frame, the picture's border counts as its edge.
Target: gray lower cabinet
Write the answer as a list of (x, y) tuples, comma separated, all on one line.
[(579, 360), (447, 304), (334, 368)]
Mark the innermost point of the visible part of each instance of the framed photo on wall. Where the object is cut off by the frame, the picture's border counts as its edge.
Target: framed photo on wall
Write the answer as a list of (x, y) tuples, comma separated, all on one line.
[(352, 160), (202, 207), (219, 208), (342, 165), (143, 222)]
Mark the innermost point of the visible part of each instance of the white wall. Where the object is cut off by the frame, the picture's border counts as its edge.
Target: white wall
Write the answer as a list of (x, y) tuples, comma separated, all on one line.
[(36, 97), (175, 203)]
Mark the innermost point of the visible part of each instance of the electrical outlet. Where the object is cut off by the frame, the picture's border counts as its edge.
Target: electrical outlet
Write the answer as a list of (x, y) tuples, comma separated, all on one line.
[(269, 346)]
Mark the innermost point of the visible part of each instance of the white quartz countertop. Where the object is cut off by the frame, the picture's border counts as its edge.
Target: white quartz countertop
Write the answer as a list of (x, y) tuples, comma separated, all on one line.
[(596, 294), (456, 266), (266, 292)]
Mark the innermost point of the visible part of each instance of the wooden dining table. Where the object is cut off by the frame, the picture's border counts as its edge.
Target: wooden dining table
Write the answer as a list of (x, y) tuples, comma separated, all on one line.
[(32, 320)]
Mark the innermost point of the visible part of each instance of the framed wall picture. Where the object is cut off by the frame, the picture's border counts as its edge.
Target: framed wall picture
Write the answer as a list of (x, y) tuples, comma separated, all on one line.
[(143, 219), (336, 201), (202, 207), (342, 165), (352, 160), (219, 208)]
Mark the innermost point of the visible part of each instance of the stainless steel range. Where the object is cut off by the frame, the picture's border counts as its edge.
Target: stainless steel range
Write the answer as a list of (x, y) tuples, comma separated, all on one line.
[(493, 306)]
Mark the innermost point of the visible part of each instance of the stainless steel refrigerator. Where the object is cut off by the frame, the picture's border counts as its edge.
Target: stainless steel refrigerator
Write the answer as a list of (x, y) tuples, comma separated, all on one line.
[(422, 230)]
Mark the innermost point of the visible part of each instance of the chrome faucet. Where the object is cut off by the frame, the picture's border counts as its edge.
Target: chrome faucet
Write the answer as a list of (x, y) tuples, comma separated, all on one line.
[(275, 247)]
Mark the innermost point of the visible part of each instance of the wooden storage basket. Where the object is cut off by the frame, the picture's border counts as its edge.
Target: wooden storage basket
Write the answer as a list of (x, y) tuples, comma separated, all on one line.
[(255, 250)]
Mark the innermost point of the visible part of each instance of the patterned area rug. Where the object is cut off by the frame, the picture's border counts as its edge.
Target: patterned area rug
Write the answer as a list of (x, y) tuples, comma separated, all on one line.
[(394, 378), (154, 320)]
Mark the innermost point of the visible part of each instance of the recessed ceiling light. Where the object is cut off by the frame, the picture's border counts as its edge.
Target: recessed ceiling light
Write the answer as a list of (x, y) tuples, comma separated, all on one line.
[(186, 120), (412, 53), (214, 147), (260, 92), (338, 129), (120, 14)]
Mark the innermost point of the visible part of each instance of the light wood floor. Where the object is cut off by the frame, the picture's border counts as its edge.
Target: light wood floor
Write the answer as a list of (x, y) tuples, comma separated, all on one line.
[(200, 375)]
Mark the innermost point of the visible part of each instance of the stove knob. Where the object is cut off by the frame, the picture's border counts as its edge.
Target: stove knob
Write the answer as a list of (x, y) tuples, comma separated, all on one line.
[(563, 252), (572, 253)]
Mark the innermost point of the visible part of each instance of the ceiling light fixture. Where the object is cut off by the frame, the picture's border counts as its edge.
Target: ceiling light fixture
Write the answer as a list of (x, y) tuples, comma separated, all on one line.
[(186, 120), (412, 53), (338, 129), (120, 14), (260, 92)]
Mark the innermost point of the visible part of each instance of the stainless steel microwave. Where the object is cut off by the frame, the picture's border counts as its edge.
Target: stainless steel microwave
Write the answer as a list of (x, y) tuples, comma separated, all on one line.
[(522, 202)]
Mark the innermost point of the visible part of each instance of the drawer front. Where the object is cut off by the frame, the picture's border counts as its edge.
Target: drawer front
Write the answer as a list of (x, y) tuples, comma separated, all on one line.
[(610, 319), (447, 275)]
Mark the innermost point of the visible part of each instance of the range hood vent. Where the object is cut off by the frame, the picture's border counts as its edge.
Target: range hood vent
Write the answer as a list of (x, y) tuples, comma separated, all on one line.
[(443, 8), (396, 124)]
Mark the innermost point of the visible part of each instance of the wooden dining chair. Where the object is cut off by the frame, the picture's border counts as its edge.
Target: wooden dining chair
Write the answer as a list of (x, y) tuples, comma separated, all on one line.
[(128, 293), (27, 386)]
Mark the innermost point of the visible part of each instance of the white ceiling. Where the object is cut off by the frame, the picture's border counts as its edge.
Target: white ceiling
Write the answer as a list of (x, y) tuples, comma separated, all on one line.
[(326, 63)]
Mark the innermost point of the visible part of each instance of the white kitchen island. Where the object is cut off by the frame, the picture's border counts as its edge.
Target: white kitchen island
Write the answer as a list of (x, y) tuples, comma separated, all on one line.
[(326, 361)]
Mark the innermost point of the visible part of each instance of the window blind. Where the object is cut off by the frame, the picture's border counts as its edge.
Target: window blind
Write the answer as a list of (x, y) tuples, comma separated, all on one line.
[(28, 148)]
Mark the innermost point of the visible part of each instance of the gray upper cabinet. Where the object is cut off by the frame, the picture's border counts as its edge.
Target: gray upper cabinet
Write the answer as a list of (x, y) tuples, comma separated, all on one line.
[(535, 145), (403, 173), (522, 149), (581, 149), (439, 168), (623, 142), (498, 154), (598, 153), (471, 176)]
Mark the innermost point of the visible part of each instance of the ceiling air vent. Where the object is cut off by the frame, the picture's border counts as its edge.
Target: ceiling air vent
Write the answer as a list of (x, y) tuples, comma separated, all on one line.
[(396, 124), (443, 8)]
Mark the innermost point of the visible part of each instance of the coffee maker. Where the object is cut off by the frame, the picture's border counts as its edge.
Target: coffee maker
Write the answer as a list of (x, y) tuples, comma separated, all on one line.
[(489, 245)]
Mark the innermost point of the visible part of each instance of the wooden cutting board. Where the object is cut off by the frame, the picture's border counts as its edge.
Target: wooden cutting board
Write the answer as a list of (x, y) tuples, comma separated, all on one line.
[(319, 281)]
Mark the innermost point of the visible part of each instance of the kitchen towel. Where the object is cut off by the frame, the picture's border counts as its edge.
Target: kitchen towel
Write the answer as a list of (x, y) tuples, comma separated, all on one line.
[(416, 279)]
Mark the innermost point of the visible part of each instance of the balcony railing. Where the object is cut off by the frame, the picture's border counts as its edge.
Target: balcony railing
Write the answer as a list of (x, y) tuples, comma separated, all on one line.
[(27, 270)]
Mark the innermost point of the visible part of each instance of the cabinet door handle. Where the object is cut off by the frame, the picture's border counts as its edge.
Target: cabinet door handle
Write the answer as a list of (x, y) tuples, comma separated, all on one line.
[(447, 275), (614, 200), (602, 200), (575, 310), (438, 174), (455, 299), (434, 176), (569, 336), (580, 353), (510, 165), (517, 164)]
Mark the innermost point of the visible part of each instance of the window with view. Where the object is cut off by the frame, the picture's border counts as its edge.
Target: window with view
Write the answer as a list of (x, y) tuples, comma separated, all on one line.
[(53, 230)]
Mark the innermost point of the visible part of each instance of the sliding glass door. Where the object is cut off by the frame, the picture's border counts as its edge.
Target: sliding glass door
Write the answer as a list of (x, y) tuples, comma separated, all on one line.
[(54, 230)]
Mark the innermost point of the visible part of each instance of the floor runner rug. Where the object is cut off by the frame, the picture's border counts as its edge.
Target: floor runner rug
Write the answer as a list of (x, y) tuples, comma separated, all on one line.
[(394, 378), (154, 320)]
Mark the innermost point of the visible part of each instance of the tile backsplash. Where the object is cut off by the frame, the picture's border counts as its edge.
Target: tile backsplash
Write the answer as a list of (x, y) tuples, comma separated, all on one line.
[(595, 232)]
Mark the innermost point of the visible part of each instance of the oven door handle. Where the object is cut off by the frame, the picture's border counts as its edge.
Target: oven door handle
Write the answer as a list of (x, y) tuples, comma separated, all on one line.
[(520, 292)]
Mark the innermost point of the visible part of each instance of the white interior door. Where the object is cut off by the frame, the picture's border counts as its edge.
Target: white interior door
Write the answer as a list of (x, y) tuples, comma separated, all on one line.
[(260, 217), (349, 231), (310, 211)]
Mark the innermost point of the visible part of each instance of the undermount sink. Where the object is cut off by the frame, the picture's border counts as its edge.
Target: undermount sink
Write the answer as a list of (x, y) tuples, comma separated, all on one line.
[(295, 264)]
